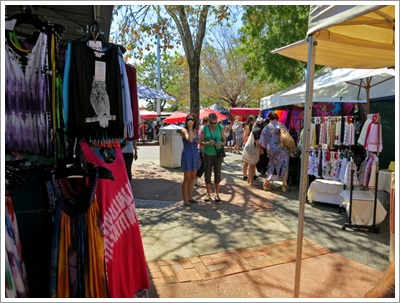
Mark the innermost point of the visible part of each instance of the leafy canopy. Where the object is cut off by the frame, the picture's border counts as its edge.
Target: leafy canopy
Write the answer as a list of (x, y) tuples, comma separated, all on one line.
[(268, 27)]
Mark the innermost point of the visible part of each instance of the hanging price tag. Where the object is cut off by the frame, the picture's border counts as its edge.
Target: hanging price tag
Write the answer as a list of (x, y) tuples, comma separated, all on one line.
[(100, 71), (95, 45)]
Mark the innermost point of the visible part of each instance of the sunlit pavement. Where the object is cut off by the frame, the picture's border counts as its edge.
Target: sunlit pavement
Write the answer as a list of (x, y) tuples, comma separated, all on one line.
[(242, 246)]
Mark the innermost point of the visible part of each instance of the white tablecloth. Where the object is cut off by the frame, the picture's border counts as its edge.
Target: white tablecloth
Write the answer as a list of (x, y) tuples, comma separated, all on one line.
[(362, 212), (326, 191), (385, 179)]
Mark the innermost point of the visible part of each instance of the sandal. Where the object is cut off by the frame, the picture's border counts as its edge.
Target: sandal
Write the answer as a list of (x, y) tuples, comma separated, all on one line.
[(207, 198), (186, 203), (266, 187), (217, 198), (193, 201)]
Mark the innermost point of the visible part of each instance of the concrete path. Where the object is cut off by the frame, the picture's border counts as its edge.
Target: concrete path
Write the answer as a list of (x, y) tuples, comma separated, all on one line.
[(245, 246)]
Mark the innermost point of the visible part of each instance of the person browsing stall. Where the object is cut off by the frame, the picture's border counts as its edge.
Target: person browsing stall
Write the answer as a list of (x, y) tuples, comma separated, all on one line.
[(212, 139), (190, 161), (278, 155)]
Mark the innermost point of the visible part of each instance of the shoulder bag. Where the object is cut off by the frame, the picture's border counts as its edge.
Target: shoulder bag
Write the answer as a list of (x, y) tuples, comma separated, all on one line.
[(220, 152), (286, 140)]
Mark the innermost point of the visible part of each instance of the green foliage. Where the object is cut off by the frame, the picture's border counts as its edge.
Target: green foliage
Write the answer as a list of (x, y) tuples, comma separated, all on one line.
[(173, 76), (268, 27)]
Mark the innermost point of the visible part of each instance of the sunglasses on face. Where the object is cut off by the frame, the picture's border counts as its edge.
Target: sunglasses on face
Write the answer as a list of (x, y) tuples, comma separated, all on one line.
[(213, 122), (190, 119)]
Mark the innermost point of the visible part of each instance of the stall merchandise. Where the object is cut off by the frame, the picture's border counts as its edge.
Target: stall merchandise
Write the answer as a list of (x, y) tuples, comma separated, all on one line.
[(71, 211), (371, 138)]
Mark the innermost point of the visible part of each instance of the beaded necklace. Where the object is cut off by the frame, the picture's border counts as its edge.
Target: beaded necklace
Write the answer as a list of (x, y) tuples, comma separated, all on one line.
[(72, 202)]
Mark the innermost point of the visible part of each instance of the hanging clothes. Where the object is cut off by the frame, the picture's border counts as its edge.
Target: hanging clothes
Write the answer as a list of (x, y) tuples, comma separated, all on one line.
[(126, 273), (16, 275), (131, 74), (373, 140), (126, 99), (95, 94), (27, 98)]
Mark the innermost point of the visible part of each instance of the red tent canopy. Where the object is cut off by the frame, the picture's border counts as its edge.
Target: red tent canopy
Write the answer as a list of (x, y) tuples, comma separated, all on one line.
[(207, 111), (239, 111), (244, 112), (146, 114), (176, 117)]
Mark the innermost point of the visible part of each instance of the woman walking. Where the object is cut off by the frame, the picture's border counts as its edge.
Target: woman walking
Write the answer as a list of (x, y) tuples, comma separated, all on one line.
[(190, 161), (229, 136), (278, 155), (249, 169)]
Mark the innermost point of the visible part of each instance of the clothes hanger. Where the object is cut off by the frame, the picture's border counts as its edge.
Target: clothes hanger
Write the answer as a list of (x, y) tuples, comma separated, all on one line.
[(81, 168), (37, 21), (94, 34)]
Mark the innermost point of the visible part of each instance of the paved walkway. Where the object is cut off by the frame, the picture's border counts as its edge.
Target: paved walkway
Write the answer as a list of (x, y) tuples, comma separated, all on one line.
[(238, 248)]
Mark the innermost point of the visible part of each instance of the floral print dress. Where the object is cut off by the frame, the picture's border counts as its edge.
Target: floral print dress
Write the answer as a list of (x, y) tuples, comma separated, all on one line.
[(278, 167)]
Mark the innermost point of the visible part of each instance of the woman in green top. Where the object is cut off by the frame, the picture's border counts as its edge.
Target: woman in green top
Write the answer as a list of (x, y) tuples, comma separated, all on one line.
[(212, 138)]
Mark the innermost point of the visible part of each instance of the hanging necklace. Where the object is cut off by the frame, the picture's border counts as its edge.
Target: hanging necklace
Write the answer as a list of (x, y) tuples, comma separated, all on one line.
[(72, 202)]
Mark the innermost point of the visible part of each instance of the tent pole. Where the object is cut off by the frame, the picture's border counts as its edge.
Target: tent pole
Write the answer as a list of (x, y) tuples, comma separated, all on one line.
[(304, 157), (367, 89)]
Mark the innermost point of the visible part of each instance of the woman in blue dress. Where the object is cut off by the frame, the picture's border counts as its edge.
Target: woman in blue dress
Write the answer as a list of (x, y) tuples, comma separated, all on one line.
[(190, 160)]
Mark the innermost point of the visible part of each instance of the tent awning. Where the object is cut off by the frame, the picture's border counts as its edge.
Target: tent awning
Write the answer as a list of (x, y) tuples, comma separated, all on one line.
[(342, 75), (338, 51), (338, 85), (240, 111), (351, 43), (349, 85)]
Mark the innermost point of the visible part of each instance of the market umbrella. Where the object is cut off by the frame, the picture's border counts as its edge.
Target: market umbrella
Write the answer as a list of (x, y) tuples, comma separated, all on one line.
[(176, 117), (207, 111), (152, 93)]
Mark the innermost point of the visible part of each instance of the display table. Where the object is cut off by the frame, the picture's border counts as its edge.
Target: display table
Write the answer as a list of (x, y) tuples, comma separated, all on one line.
[(385, 179), (326, 191), (362, 212)]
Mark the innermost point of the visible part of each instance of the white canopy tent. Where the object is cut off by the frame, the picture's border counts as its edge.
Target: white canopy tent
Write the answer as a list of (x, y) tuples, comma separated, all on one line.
[(353, 36), (338, 85)]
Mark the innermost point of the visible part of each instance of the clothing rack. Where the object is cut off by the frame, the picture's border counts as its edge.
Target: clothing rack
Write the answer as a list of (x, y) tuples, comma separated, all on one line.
[(350, 224)]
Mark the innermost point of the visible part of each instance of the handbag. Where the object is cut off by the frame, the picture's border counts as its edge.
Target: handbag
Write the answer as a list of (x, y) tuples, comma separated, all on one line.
[(220, 152), (251, 152), (286, 140)]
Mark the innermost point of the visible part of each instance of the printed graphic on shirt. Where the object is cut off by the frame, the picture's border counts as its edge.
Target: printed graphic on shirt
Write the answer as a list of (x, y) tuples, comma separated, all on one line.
[(100, 103), (119, 218)]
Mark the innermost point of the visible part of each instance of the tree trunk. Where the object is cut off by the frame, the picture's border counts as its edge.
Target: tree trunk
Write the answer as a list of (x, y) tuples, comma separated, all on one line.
[(194, 89), (192, 49)]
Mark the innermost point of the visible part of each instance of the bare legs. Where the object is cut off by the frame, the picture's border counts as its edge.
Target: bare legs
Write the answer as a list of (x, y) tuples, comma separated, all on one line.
[(252, 173), (251, 169), (245, 168), (187, 185)]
